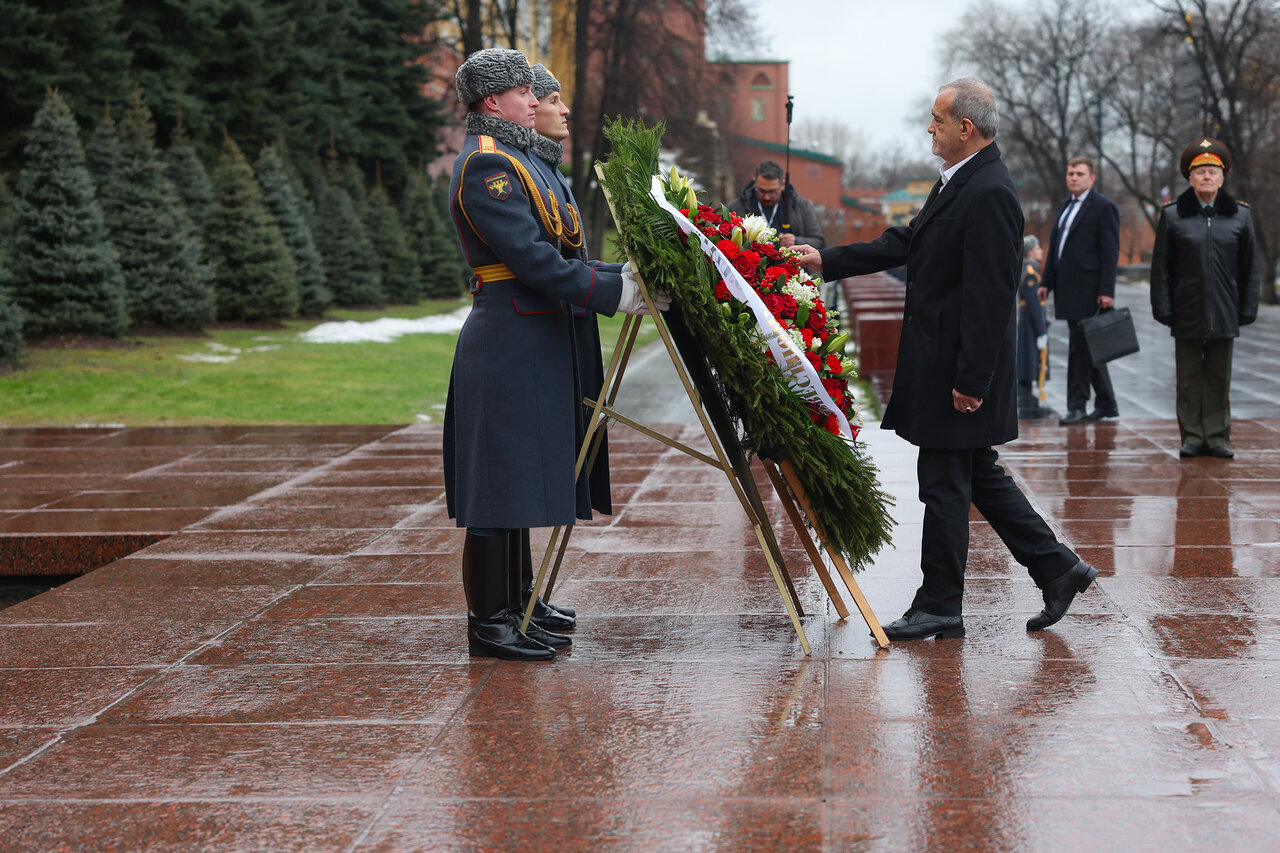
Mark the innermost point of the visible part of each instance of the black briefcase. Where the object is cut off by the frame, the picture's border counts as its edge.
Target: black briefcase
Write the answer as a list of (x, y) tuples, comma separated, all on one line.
[(1109, 335)]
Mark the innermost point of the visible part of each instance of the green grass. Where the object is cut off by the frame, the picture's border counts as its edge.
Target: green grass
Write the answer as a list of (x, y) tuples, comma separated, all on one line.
[(275, 378)]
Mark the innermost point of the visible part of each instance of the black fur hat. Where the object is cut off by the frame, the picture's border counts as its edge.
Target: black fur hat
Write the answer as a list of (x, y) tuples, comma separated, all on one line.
[(490, 71)]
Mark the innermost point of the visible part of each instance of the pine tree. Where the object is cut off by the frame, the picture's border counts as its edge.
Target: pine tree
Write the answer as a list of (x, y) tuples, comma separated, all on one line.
[(166, 283), (352, 69), (8, 217), (78, 48), (10, 319), (63, 273), (433, 241), (280, 198), (102, 156), (188, 176), (349, 266), (456, 260), (401, 280), (254, 276)]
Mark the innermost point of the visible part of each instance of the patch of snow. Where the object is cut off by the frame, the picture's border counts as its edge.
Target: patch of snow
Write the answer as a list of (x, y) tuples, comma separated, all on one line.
[(209, 358), (385, 329)]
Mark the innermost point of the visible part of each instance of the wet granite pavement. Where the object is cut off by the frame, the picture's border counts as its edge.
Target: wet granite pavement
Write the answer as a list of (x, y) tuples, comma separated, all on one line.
[(284, 667)]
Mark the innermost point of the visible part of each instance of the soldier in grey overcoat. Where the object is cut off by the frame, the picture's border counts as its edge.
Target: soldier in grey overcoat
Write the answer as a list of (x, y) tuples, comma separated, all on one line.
[(551, 129), (513, 420)]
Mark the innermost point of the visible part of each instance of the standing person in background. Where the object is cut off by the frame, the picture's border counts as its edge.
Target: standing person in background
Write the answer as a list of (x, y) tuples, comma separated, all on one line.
[(1204, 287), (1080, 271), (793, 217), (551, 129), (953, 387), (513, 419), (1032, 325)]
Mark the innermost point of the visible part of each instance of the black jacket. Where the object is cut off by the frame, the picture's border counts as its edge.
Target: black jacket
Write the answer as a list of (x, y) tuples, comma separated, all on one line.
[(963, 253), (1087, 267), (1204, 268), (797, 215)]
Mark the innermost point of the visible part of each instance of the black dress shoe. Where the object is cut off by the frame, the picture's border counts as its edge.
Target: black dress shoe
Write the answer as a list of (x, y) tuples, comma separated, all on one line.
[(1059, 594), (536, 633), (1189, 451), (1222, 452), (918, 625), (1075, 416), (1099, 414), (548, 618)]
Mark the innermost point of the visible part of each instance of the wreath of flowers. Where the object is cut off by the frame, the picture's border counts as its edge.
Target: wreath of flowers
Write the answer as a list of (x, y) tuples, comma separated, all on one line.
[(770, 417), (790, 293)]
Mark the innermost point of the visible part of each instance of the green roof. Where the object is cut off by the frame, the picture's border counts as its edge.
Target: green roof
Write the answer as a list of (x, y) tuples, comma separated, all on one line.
[(849, 201), (795, 152), (900, 195)]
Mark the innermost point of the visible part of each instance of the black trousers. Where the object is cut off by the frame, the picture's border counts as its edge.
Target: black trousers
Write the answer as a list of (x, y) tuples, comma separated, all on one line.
[(951, 480), (1081, 374)]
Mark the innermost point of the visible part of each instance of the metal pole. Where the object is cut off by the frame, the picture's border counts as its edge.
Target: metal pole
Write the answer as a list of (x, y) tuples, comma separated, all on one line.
[(790, 107)]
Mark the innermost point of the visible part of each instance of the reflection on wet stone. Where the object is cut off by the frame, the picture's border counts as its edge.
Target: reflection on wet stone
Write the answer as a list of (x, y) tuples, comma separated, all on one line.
[(287, 669)]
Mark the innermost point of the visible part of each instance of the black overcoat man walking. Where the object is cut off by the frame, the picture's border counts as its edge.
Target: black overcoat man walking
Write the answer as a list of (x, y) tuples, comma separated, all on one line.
[(954, 385), (1080, 271)]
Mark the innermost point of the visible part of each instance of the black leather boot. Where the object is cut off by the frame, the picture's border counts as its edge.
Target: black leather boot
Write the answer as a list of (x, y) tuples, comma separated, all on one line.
[(548, 616), (537, 633), (492, 628)]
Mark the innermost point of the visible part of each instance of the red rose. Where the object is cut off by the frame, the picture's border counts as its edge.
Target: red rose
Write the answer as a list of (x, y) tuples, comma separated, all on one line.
[(836, 388), (709, 215), (726, 229), (833, 364), (773, 302), (728, 248), (769, 250), (789, 305), (722, 292), (814, 360), (748, 263), (817, 321)]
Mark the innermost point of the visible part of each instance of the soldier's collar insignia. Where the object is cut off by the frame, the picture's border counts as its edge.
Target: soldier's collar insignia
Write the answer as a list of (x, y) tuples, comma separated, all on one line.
[(499, 185)]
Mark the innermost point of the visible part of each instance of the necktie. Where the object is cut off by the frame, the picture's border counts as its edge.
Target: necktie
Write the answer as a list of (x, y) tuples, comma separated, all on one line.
[(1063, 223)]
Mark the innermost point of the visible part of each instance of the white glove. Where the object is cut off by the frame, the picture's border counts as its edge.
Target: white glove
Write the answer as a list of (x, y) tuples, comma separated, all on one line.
[(1042, 342), (632, 301)]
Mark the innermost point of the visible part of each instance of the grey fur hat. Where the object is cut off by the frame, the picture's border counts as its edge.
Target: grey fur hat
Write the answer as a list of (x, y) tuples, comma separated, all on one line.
[(544, 82), (490, 71)]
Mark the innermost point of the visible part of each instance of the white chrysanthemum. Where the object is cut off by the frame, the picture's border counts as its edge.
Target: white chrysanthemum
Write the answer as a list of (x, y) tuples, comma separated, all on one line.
[(756, 229), (805, 294)]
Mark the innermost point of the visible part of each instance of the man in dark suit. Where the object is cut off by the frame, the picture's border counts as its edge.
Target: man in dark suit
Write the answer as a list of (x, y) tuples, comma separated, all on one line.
[(954, 386), (1080, 270)]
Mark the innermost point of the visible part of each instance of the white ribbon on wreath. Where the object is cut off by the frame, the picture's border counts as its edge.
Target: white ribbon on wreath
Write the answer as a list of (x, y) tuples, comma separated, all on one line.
[(803, 380)]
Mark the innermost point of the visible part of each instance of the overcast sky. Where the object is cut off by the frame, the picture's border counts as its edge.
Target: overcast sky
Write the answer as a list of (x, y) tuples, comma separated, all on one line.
[(873, 64)]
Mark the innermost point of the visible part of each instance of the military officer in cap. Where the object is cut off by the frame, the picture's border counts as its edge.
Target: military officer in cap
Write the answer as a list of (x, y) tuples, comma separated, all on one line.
[(1204, 287), (514, 420)]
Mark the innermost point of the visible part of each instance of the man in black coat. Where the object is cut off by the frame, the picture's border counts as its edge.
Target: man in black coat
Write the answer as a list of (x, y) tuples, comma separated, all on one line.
[(953, 389), (1080, 271)]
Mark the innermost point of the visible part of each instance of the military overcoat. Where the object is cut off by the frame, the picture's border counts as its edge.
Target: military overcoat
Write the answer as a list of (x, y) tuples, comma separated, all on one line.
[(547, 155), (513, 421)]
